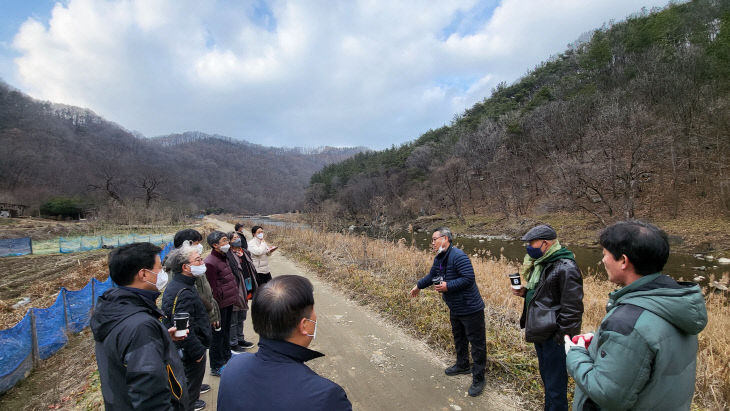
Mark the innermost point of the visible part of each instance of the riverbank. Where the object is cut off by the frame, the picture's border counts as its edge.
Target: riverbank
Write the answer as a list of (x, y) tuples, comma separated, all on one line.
[(379, 273), (688, 234)]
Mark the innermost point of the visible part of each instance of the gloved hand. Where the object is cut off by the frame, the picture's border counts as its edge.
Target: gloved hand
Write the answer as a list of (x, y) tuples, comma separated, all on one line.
[(570, 344), (588, 337)]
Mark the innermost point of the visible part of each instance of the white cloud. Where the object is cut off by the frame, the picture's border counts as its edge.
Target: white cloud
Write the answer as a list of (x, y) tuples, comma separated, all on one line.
[(366, 72)]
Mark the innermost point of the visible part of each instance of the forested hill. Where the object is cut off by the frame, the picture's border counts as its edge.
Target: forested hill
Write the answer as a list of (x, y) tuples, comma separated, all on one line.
[(635, 121), (54, 150)]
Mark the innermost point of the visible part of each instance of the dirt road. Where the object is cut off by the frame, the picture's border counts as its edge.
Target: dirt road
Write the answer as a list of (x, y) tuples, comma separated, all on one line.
[(379, 365)]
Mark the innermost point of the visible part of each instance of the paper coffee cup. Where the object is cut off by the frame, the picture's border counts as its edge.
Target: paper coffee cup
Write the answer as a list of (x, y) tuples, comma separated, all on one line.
[(515, 281), (181, 321)]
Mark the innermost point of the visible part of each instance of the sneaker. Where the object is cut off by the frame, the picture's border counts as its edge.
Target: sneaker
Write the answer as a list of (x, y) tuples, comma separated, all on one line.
[(204, 388), (246, 345), (236, 349), (456, 370), (477, 387), (198, 405), (216, 372)]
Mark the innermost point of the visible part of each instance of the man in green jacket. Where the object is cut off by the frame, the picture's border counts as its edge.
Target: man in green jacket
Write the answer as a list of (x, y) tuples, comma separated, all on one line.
[(644, 354)]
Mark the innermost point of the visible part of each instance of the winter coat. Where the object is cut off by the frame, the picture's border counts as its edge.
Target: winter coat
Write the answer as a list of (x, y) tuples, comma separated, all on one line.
[(644, 355), (234, 261), (454, 266), (276, 378), (556, 308), (188, 301), (221, 279), (259, 254), (139, 366), (206, 296)]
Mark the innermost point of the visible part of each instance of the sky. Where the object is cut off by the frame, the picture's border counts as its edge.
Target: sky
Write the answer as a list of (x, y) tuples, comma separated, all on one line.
[(371, 73)]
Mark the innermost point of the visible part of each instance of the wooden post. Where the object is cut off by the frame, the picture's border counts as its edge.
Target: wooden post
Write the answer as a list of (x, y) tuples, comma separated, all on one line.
[(65, 309), (34, 340)]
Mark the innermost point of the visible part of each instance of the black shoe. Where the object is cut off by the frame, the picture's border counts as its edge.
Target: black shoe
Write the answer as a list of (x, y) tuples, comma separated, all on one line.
[(246, 345), (204, 388), (477, 387), (456, 370), (216, 372), (236, 349), (199, 405)]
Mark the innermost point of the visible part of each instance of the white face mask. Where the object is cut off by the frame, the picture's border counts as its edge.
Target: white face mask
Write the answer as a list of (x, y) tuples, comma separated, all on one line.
[(199, 248), (260, 236), (314, 336), (225, 248), (197, 270), (161, 282)]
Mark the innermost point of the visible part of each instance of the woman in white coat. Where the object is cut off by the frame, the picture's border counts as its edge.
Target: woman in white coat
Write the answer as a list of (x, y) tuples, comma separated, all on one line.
[(260, 252)]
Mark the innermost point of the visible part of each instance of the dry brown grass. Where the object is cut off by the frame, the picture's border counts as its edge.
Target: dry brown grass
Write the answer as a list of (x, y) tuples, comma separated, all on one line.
[(381, 273)]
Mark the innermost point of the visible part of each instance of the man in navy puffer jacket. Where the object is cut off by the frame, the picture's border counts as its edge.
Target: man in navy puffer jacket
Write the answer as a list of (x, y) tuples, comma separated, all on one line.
[(453, 276)]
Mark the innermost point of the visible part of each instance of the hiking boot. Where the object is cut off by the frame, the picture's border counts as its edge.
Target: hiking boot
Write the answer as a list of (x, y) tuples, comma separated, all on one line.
[(246, 345), (456, 370), (204, 388), (216, 372), (198, 405), (477, 387)]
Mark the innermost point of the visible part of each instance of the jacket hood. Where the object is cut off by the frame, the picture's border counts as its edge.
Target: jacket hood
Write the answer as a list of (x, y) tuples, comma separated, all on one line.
[(114, 306), (679, 303)]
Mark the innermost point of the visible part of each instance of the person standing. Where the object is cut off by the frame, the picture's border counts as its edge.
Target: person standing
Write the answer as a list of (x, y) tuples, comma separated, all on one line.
[(239, 229), (644, 354), (452, 275), (180, 296), (275, 377), (553, 307), (237, 260), (260, 253), (225, 292), (139, 366)]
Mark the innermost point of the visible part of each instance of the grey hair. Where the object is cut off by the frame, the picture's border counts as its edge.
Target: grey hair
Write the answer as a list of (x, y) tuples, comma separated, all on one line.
[(445, 231), (214, 237), (178, 257)]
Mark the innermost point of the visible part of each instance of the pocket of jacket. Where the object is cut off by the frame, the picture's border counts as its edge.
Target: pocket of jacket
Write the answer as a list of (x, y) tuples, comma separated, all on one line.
[(175, 387)]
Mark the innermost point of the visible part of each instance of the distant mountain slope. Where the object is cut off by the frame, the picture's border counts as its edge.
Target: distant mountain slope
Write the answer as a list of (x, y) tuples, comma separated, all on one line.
[(632, 122), (53, 149)]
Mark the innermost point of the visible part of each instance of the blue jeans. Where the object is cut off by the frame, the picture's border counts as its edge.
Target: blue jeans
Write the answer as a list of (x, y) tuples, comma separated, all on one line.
[(551, 358)]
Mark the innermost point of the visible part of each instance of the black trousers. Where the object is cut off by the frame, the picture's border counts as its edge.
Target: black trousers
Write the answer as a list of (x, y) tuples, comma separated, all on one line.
[(470, 329), (220, 350), (194, 373), (263, 278)]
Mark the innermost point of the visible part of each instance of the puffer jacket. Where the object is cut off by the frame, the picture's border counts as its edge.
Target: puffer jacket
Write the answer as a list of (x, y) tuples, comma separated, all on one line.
[(462, 295), (556, 308), (181, 296), (139, 366), (221, 279), (644, 355), (259, 254)]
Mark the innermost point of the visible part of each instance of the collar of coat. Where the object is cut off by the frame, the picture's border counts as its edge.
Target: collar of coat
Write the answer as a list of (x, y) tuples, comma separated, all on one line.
[(270, 349)]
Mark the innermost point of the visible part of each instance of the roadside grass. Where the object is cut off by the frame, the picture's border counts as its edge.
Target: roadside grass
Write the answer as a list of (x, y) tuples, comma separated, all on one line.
[(380, 274)]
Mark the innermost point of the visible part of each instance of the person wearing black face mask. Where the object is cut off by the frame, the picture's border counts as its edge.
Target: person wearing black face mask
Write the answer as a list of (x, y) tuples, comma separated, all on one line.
[(553, 307)]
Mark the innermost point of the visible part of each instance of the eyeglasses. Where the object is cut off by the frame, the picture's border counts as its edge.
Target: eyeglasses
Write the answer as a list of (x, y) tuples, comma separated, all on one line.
[(198, 260), (433, 240)]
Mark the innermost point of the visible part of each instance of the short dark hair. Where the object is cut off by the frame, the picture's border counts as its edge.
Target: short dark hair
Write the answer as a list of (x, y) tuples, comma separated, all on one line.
[(255, 228), (126, 261), (280, 305), (214, 237), (187, 234), (237, 226), (646, 245), (445, 231)]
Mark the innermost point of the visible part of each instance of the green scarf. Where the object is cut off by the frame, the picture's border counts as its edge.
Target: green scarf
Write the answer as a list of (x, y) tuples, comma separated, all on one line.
[(531, 267)]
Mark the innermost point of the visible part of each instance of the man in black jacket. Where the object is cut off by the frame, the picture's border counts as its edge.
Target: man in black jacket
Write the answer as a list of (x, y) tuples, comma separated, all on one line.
[(138, 363), (553, 308), (182, 297)]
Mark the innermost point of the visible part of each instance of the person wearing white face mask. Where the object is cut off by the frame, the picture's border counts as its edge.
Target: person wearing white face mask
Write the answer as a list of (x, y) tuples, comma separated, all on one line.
[(276, 378), (181, 296), (260, 253), (138, 363), (225, 291)]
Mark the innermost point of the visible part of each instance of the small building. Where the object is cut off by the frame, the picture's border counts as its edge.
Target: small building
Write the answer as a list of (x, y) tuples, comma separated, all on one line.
[(12, 210)]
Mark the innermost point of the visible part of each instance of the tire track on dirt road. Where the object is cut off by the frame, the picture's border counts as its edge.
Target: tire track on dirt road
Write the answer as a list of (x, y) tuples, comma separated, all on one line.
[(380, 366)]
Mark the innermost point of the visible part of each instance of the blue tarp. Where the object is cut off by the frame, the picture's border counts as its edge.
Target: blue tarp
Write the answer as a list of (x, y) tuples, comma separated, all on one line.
[(15, 353), (100, 288), (50, 327), (78, 308), (15, 246)]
